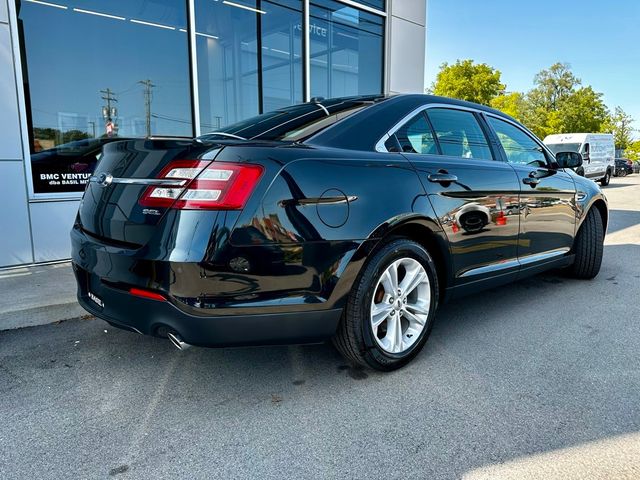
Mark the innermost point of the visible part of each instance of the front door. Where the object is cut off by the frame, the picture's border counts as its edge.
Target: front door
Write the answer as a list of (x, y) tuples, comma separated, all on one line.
[(547, 198), (474, 195)]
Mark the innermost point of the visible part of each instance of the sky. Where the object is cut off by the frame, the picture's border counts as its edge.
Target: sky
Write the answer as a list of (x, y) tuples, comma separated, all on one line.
[(599, 39)]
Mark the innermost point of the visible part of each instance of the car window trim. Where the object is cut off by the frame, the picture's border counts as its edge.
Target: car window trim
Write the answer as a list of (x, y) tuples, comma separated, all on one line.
[(548, 155), (427, 120), (380, 145)]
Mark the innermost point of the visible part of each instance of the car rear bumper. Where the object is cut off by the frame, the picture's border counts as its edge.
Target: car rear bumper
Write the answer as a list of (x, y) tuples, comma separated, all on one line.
[(158, 318)]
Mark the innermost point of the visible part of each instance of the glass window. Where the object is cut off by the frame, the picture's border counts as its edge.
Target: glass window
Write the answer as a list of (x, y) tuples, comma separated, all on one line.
[(227, 53), (95, 71), (416, 136), (459, 133), (346, 47), (293, 123), (519, 147), (281, 52), (564, 147)]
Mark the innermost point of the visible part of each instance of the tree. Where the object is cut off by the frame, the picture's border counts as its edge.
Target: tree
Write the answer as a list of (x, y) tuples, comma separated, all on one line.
[(620, 124), (466, 80), (513, 104), (553, 86), (581, 111), (632, 152)]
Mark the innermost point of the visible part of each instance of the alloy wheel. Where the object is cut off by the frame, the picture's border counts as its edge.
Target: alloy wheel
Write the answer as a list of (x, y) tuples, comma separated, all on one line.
[(400, 305)]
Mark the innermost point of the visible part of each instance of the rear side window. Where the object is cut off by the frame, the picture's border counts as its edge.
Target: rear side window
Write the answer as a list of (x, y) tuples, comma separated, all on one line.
[(459, 134), (416, 136), (519, 147)]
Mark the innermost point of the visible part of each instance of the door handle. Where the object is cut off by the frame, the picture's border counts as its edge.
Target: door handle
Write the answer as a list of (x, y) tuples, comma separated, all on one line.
[(442, 177), (532, 180)]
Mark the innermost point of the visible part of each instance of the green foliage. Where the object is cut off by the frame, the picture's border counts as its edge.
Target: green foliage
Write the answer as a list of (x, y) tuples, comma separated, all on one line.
[(513, 104), (553, 87), (59, 137), (620, 124), (581, 111), (556, 104), (632, 152), (466, 80)]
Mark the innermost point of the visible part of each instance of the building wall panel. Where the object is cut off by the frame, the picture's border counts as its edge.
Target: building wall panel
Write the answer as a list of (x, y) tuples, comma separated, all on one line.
[(15, 241), (4, 11), (414, 11), (10, 143), (51, 223), (407, 56)]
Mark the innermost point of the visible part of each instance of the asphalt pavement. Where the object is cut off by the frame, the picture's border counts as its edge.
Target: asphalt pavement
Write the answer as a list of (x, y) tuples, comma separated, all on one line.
[(538, 379)]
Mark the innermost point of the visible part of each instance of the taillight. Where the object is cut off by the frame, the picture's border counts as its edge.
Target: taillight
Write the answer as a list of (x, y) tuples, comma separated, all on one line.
[(203, 185)]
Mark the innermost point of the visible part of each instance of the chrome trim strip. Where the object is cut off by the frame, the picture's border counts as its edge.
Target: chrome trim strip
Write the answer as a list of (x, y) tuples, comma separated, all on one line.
[(498, 267), (318, 201), (161, 182), (494, 267), (380, 144), (538, 257)]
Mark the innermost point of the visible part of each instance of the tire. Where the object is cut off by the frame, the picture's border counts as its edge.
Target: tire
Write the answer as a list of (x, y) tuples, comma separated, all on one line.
[(357, 339), (604, 181), (588, 247)]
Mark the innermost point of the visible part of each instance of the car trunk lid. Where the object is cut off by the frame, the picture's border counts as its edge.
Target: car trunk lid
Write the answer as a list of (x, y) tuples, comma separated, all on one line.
[(111, 209)]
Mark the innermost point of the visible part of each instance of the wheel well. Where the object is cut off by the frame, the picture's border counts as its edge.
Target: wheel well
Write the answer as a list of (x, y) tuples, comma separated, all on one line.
[(604, 213), (425, 237)]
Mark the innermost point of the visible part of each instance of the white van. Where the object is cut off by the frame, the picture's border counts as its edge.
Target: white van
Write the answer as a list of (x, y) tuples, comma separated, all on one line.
[(598, 153)]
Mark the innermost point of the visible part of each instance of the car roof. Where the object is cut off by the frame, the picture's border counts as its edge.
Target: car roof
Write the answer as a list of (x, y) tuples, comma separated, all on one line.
[(363, 129)]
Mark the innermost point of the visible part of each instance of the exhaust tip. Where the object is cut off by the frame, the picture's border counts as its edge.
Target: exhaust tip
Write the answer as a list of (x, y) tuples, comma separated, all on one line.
[(177, 341)]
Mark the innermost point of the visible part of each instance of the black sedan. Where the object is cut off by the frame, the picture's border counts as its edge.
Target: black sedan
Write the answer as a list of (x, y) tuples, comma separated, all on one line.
[(624, 167), (349, 219)]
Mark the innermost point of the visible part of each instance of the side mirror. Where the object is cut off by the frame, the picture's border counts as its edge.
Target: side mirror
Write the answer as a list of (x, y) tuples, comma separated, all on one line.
[(568, 159)]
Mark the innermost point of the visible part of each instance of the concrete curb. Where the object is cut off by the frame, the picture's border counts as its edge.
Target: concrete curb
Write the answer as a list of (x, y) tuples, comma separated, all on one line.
[(31, 317), (38, 295)]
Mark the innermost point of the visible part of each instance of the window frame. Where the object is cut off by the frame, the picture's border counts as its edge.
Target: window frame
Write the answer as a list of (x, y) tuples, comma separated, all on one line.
[(425, 117), (549, 156), (489, 134)]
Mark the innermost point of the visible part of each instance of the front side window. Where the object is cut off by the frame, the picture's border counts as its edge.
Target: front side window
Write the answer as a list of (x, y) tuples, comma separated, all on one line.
[(96, 71), (459, 133), (519, 147), (416, 136)]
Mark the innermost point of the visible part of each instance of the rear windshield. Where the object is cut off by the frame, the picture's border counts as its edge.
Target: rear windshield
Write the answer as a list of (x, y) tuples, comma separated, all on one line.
[(294, 123)]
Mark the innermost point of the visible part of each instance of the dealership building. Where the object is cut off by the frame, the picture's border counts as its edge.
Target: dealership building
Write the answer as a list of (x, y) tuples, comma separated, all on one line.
[(77, 73)]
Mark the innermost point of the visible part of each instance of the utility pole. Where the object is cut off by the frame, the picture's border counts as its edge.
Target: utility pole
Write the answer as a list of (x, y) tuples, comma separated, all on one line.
[(109, 112), (93, 128), (148, 85)]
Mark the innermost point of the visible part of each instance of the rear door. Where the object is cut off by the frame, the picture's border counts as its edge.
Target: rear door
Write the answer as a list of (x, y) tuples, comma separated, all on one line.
[(547, 198), (474, 196)]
